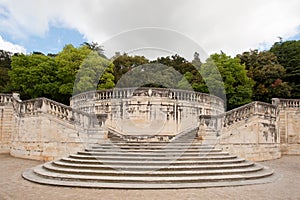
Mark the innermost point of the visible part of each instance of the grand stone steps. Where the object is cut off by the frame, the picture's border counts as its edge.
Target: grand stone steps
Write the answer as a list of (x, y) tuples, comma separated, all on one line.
[(131, 165)]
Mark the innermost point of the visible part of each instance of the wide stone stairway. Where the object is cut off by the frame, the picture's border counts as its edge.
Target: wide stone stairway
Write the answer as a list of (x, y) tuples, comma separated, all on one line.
[(184, 162)]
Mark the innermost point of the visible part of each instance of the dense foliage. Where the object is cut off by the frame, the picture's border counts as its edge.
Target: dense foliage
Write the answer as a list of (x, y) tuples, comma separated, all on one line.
[(5, 65), (267, 73), (288, 55), (249, 76)]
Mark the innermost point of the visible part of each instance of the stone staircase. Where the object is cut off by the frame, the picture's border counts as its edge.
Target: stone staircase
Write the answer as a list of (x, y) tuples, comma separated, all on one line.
[(183, 163)]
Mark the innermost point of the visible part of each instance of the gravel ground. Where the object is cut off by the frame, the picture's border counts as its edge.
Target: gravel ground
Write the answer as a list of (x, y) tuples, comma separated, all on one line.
[(13, 186)]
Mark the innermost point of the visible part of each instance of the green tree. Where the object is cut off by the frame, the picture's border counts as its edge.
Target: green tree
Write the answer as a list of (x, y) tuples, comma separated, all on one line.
[(125, 63), (5, 66), (95, 72), (264, 68), (288, 54), (238, 87), (68, 62), (150, 75), (34, 76), (188, 70), (94, 46), (184, 83)]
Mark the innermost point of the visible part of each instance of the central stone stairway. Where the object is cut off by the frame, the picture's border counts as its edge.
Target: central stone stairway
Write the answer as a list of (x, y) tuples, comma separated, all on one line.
[(182, 163)]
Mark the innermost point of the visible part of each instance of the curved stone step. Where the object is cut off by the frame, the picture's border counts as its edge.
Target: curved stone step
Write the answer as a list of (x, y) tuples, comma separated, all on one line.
[(142, 147), (117, 154), (99, 166), (163, 163), (58, 169), (163, 151), (179, 144), (29, 175), (153, 158), (40, 171)]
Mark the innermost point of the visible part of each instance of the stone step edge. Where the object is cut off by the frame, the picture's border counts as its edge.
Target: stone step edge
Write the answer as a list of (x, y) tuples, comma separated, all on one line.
[(153, 158), (170, 167), (53, 168), (237, 160), (157, 151), (153, 145), (29, 175), (171, 160), (40, 171), (118, 153)]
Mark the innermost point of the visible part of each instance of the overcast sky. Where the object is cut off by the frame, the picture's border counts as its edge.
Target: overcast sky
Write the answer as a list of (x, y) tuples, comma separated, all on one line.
[(232, 26)]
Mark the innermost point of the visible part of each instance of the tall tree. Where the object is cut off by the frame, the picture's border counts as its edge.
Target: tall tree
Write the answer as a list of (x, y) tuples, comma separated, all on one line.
[(189, 71), (288, 54), (125, 63), (34, 76), (95, 72), (69, 61), (5, 66), (94, 46), (238, 87), (264, 68)]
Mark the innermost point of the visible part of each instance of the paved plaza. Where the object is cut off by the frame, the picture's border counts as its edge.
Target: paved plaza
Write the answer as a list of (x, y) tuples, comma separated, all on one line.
[(13, 186)]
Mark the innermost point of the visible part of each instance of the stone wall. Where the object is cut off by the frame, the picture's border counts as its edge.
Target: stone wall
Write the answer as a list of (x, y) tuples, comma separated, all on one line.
[(6, 122), (289, 125)]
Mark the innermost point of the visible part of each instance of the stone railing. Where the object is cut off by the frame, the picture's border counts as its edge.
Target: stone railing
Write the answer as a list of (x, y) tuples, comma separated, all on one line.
[(249, 110), (35, 107), (225, 120), (286, 103), (5, 98), (124, 93)]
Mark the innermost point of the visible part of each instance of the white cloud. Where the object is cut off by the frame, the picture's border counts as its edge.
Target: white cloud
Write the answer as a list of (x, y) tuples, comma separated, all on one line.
[(233, 26), (8, 46)]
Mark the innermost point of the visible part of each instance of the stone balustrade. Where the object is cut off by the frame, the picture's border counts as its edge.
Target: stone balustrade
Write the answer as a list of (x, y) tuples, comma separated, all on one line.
[(38, 106), (248, 110), (238, 114), (286, 103), (5, 98), (84, 99)]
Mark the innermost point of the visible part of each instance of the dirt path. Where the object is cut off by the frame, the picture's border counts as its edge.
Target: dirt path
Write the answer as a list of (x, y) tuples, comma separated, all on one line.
[(13, 186)]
